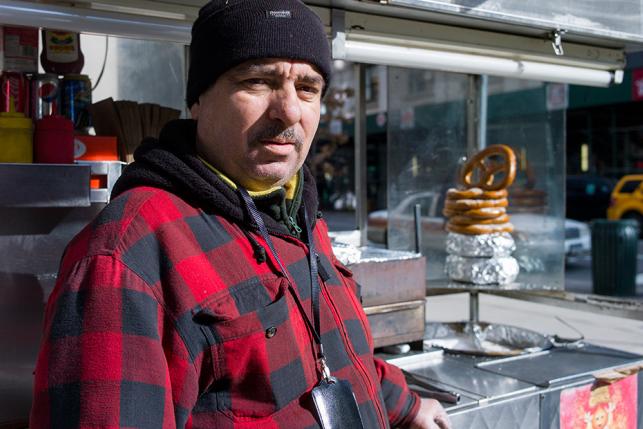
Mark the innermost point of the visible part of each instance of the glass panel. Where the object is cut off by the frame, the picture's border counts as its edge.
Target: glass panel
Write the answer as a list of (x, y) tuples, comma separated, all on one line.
[(530, 118), (332, 156), (620, 19), (427, 137), (137, 70), (427, 141)]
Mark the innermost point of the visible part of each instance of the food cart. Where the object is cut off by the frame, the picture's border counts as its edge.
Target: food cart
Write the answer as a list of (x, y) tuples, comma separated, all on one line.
[(451, 78)]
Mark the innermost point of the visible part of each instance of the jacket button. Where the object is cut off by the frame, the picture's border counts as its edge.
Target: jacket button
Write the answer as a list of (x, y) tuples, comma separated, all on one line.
[(270, 332)]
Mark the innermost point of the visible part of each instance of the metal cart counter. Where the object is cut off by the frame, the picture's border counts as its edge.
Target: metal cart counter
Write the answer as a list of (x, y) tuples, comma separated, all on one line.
[(531, 390)]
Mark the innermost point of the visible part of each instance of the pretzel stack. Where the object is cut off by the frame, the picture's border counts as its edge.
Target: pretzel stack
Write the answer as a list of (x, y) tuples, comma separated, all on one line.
[(479, 243), (475, 211)]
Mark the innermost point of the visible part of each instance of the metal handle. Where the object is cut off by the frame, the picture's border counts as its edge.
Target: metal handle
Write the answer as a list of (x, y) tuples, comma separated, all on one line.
[(430, 390)]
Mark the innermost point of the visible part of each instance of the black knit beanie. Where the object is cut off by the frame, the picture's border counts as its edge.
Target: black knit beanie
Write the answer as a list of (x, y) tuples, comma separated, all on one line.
[(229, 32)]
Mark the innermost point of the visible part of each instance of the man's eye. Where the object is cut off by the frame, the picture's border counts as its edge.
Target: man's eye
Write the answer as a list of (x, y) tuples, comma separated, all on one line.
[(256, 82), (308, 89)]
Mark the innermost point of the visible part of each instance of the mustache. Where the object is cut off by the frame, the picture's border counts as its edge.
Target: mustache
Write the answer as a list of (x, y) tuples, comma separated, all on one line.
[(276, 132)]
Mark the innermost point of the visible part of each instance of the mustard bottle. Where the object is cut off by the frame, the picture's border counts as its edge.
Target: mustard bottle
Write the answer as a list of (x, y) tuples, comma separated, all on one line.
[(16, 136)]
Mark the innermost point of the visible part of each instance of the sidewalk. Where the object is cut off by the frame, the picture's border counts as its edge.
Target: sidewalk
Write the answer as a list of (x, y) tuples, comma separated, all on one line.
[(608, 331), (615, 332)]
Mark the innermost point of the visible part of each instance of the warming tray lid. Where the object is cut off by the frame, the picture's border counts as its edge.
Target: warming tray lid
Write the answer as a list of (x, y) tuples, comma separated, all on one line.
[(559, 364)]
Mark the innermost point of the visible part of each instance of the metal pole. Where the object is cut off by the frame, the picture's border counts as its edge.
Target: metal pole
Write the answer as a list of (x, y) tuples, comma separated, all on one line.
[(417, 215), (360, 152), (474, 307), (472, 115), (477, 113), (483, 93)]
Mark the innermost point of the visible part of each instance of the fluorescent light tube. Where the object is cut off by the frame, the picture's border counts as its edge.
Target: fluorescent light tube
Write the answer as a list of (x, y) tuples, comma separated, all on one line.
[(420, 58), (93, 21)]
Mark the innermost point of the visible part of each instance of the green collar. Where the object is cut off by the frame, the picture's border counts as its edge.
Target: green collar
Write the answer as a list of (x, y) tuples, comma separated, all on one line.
[(280, 203)]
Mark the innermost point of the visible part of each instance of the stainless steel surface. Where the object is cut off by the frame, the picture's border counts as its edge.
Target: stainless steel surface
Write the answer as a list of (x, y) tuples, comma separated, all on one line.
[(37, 14), (360, 152), (474, 307), (618, 20), (396, 323), (391, 308), (482, 271), (483, 245), (32, 241), (559, 365), (521, 413), (473, 114), (42, 206), (417, 220), (459, 373), (484, 339), (111, 170), (44, 185), (388, 281), (431, 390), (505, 402), (483, 99), (462, 21)]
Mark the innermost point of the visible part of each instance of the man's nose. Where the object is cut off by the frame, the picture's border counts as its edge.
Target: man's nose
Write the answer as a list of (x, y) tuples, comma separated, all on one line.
[(285, 106)]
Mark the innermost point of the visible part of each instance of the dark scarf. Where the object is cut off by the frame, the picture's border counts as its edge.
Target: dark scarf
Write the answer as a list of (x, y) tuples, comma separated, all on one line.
[(171, 163)]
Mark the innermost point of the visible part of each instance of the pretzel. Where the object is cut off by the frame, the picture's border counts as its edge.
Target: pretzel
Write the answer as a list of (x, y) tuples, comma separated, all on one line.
[(479, 229), (467, 194), (489, 169), (466, 221), (475, 204), (485, 213)]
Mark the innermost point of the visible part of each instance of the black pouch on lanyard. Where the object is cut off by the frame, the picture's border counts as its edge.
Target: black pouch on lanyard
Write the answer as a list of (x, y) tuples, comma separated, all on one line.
[(336, 405)]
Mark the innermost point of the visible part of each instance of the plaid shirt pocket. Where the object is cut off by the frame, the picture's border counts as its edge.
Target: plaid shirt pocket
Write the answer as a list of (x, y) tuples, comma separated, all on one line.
[(258, 356)]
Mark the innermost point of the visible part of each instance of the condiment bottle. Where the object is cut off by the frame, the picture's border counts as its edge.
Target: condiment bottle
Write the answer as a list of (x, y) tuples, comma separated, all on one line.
[(16, 136), (61, 52), (54, 140)]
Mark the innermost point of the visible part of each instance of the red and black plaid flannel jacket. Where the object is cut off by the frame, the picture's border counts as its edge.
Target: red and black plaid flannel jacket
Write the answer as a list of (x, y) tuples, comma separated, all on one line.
[(162, 317)]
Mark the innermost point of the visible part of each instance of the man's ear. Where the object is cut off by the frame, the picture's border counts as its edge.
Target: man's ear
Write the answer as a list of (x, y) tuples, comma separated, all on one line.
[(194, 111)]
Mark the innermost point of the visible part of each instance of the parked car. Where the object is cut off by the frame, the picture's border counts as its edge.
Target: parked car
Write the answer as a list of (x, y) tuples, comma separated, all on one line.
[(577, 234), (578, 238), (377, 223), (587, 196), (627, 199)]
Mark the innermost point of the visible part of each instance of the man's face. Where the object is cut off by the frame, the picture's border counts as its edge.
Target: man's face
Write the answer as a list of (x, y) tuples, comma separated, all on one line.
[(257, 122)]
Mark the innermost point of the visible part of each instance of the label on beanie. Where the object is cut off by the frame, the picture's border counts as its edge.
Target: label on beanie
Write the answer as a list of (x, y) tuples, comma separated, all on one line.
[(279, 14)]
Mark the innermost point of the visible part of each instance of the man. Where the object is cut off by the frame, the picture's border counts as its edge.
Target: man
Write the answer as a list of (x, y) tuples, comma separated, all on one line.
[(193, 300)]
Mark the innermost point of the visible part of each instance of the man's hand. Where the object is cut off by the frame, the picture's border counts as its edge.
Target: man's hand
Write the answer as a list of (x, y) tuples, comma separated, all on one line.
[(431, 416)]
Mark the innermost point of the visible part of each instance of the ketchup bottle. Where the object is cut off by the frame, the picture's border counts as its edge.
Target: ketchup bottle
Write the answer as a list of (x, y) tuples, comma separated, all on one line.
[(61, 52), (54, 140)]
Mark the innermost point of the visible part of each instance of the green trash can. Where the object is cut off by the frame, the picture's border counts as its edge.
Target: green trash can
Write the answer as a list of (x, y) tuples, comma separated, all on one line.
[(614, 251)]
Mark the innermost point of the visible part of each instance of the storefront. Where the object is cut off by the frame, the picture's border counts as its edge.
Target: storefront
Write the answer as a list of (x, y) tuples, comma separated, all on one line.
[(419, 86)]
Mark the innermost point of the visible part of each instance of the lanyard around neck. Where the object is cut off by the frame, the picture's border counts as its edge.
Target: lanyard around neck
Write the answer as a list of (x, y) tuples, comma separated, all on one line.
[(314, 326)]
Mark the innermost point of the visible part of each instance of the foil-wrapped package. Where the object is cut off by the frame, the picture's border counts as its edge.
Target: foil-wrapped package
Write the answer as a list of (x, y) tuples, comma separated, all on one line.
[(483, 245), (346, 253), (482, 271), (349, 254)]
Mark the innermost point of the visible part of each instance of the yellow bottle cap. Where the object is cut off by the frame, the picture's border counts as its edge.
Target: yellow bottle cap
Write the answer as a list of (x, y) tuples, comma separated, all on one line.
[(13, 119)]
